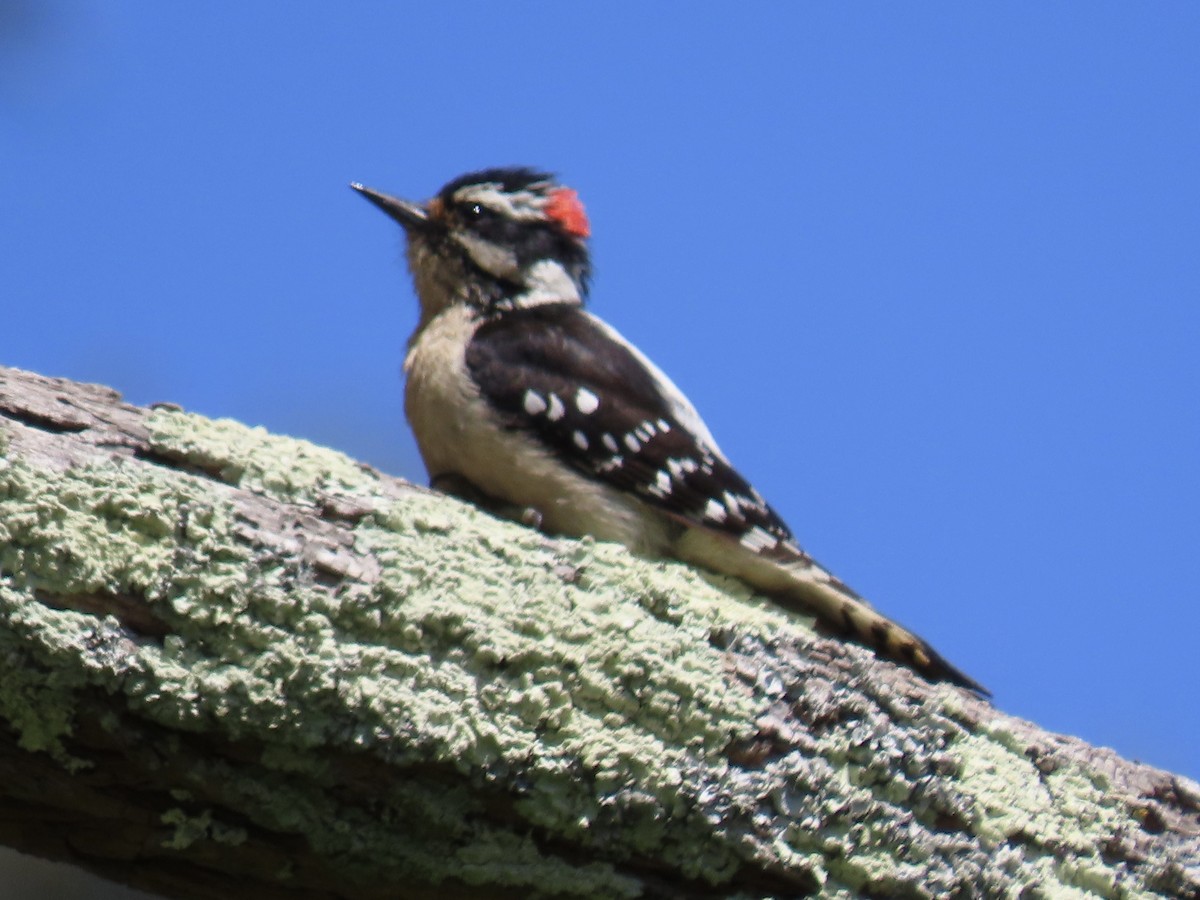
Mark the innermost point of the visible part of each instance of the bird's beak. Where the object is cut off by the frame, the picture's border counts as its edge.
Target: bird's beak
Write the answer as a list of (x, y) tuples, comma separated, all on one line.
[(410, 215)]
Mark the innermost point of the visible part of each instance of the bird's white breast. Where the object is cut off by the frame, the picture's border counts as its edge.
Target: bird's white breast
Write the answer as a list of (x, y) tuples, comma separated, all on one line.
[(458, 433)]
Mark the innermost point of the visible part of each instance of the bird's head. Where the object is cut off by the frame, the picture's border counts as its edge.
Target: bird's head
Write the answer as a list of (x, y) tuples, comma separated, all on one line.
[(496, 239)]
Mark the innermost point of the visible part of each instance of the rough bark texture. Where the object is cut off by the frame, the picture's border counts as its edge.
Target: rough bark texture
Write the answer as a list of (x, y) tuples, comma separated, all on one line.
[(238, 665)]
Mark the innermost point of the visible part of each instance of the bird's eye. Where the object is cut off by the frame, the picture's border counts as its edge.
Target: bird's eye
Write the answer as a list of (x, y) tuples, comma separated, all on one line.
[(476, 215)]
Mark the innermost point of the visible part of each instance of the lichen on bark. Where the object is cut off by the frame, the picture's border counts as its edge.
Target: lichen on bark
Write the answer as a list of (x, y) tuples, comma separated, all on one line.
[(256, 659)]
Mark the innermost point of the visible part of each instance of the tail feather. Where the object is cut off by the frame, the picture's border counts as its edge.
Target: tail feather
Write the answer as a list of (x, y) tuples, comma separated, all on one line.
[(889, 639), (841, 612), (793, 580)]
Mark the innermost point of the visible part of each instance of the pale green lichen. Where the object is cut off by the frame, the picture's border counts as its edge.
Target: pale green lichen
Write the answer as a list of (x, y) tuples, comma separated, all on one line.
[(254, 459), (481, 647), (1009, 797), (1065, 813), (188, 829), (470, 651), (31, 701)]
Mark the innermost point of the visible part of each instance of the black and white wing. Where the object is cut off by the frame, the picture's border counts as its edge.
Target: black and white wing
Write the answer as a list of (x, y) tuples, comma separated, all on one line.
[(593, 400), (596, 402)]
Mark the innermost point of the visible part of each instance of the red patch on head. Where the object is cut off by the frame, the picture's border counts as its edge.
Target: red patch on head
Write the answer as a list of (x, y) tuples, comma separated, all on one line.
[(565, 209)]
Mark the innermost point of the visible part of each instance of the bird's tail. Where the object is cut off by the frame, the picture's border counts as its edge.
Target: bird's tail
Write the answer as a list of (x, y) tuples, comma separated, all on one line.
[(842, 613), (794, 581), (851, 616)]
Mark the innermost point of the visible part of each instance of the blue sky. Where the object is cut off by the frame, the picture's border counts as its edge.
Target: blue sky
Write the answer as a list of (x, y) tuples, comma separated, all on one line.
[(930, 272)]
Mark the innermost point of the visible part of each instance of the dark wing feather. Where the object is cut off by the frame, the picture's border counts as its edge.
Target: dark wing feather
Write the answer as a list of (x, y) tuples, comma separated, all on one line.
[(532, 365)]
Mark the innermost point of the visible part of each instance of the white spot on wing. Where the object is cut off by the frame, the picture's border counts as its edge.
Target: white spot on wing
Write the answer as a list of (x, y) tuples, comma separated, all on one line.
[(586, 402), (681, 467), (715, 511), (534, 403), (632, 443), (681, 408), (580, 440), (610, 442), (611, 464), (758, 540), (557, 410), (663, 480)]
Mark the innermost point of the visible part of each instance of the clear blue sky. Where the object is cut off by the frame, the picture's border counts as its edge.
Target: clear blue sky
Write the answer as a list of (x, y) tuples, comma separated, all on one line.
[(931, 272)]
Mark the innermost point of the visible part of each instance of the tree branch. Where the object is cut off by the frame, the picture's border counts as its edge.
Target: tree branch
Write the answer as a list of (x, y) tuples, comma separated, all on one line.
[(234, 664)]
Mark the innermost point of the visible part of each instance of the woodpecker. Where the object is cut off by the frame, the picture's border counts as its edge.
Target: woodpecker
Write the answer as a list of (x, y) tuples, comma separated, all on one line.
[(525, 403)]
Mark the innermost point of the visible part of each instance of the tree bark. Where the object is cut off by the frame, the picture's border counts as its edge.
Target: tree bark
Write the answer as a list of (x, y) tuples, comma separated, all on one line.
[(234, 664)]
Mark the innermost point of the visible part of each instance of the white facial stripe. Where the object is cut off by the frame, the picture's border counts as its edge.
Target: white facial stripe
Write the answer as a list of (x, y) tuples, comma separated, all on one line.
[(492, 258), (546, 281), (527, 204)]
